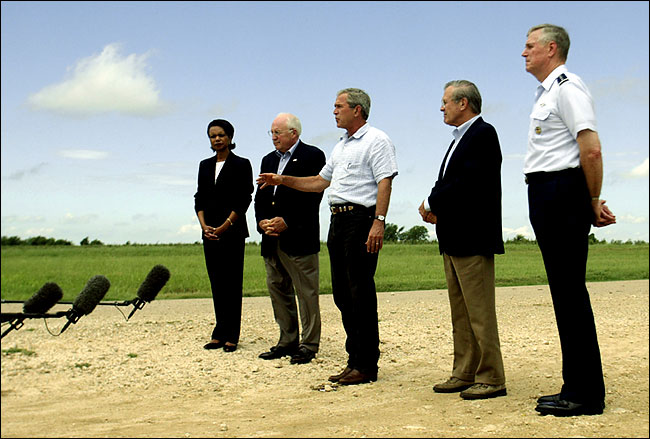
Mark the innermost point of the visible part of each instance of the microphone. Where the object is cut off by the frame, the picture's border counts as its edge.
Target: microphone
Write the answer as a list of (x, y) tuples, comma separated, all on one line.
[(150, 287), (43, 299), (34, 307), (87, 300)]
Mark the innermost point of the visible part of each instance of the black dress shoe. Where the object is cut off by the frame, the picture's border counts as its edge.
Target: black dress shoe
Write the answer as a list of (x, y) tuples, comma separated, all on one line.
[(229, 347), (214, 345), (336, 378), (548, 398), (357, 377), (278, 352), (302, 356), (562, 407)]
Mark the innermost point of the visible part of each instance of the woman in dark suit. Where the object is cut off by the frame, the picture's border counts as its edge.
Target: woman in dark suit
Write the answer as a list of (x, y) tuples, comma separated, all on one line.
[(225, 185)]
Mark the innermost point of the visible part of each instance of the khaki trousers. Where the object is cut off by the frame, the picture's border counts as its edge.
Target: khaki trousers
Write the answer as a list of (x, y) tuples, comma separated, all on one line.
[(477, 351), (286, 277)]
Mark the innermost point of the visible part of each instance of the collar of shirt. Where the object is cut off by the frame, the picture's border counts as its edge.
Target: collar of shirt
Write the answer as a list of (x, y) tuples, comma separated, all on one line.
[(284, 159), (358, 134), (460, 131), (289, 153), (550, 80), (458, 134)]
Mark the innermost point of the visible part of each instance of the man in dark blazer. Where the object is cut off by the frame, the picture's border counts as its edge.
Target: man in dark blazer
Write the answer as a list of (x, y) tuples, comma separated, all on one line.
[(288, 220), (465, 205)]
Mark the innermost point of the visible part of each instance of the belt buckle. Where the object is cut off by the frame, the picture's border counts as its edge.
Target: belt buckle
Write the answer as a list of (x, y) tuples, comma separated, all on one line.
[(342, 208)]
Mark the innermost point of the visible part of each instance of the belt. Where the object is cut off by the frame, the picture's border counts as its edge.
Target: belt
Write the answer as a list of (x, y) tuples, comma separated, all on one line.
[(341, 208), (541, 177)]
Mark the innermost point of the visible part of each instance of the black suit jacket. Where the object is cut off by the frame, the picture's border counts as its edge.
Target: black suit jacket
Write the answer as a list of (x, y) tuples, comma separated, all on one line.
[(467, 199), (300, 210), (231, 192)]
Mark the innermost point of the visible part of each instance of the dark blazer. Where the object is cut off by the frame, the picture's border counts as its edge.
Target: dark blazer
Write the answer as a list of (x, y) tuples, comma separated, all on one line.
[(231, 192), (300, 210), (467, 200)]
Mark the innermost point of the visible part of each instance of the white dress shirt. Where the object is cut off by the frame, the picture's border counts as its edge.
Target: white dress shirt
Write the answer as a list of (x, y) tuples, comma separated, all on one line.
[(458, 134), (563, 107), (357, 164)]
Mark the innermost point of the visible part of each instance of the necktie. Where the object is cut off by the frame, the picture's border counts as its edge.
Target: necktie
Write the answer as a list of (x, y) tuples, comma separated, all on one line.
[(444, 161)]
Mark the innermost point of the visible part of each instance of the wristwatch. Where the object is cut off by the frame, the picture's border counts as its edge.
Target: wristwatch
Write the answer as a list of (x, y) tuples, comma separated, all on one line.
[(380, 217)]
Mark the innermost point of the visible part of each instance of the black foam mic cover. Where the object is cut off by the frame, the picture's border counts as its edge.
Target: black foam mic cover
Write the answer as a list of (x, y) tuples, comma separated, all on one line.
[(87, 300), (153, 283), (91, 295), (43, 299)]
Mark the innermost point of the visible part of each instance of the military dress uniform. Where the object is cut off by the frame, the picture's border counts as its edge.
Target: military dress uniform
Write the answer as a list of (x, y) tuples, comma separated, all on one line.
[(561, 215)]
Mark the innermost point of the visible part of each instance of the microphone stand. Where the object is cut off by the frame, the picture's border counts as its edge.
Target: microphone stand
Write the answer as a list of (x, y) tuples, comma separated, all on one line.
[(16, 319), (124, 303), (136, 302)]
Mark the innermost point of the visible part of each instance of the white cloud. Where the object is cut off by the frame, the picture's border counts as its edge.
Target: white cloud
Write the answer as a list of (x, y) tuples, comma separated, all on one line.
[(83, 219), (17, 219), (43, 231), (513, 233), (191, 229), (169, 180), (103, 83), (633, 88), (83, 154), (631, 219), (641, 170)]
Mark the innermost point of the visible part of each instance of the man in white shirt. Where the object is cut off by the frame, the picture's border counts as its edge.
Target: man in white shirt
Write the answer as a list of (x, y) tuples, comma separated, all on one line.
[(564, 172), (359, 173)]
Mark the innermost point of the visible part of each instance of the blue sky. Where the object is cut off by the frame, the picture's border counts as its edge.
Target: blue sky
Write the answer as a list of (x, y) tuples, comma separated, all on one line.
[(105, 104)]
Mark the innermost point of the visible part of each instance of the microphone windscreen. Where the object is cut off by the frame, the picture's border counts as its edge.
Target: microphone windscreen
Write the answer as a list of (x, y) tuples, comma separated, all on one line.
[(153, 283), (43, 299), (91, 295)]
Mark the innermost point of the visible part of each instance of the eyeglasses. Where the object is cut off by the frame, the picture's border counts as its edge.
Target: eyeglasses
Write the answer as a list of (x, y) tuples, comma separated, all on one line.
[(278, 133)]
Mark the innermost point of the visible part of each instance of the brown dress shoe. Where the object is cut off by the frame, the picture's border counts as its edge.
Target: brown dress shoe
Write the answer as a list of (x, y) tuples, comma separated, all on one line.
[(356, 377), (484, 391), (336, 378), (214, 344), (452, 385)]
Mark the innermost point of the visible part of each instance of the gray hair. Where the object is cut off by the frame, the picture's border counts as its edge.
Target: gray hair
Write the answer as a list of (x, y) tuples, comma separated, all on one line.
[(551, 32), (293, 123), (356, 96), (466, 89)]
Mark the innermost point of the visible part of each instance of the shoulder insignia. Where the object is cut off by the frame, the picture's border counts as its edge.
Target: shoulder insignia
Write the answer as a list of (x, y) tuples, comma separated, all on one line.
[(562, 79)]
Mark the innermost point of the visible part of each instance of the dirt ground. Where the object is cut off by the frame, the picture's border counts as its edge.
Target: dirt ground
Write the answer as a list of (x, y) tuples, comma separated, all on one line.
[(150, 376)]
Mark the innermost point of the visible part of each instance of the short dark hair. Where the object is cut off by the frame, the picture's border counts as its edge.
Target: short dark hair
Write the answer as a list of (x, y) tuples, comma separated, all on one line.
[(227, 128)]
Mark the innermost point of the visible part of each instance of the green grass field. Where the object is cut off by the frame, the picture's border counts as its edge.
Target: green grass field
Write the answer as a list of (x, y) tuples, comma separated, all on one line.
[(402, 267)]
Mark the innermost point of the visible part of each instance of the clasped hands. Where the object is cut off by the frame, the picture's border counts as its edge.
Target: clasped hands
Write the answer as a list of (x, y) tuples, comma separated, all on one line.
[(273, 226), (427, 216), (603, 216), (212, 233)]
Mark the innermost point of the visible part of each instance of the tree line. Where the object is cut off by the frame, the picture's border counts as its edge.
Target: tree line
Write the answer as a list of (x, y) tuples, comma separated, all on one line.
[(42, 240), (392, 233)]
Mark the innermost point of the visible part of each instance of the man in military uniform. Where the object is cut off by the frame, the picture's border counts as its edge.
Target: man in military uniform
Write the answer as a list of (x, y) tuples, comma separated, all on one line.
[(564, 172)]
